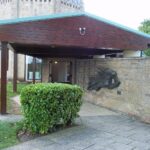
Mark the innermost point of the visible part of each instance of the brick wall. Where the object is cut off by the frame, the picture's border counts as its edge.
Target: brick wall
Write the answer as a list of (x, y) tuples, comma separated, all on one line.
[(132, 96)]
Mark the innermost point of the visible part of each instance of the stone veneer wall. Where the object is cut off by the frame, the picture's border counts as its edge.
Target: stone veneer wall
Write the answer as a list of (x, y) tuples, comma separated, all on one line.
[(6, 11), (132, 96), (21, 66), (25, 8)]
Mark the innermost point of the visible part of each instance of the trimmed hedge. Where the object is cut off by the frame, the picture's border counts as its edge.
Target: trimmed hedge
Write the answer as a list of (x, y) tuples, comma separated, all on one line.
[(46, 105)]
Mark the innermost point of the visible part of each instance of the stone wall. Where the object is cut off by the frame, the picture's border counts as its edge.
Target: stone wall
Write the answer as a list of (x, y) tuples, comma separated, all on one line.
[(21, 67), (67, 6), (6, 11), (45, 70), (35, 8), (26, 8), (132, 96)]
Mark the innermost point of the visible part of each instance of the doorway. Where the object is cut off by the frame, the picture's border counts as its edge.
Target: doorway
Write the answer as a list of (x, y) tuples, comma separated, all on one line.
[(60, 71)]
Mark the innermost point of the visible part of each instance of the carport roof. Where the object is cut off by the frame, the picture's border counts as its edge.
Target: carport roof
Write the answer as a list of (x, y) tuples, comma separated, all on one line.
[(65, 15), (67, 34)]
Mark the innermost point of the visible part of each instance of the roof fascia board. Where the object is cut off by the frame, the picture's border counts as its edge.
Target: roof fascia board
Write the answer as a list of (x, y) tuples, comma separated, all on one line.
[(67, 15)]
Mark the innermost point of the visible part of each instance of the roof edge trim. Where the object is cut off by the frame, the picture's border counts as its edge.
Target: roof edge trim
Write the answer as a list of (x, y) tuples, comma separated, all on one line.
[(40, 18), (116, 25)]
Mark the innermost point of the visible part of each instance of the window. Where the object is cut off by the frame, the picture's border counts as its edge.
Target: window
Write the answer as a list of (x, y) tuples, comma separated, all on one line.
[(29, 68)]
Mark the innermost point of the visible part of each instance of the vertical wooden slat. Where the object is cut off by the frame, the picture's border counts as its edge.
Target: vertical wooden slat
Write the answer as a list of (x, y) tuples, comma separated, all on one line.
[(3, 89), (34, 69), (15, 72)]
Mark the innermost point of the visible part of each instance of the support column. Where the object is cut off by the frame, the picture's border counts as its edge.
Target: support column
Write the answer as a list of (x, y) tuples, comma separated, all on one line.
[(42, 71), (71, 72), (34, 68), (15, 73), (75, 72), (3, 82)]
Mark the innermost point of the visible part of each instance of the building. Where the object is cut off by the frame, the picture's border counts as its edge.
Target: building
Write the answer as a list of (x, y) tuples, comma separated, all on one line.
[(55, 43), (67, 47), (30, 8)]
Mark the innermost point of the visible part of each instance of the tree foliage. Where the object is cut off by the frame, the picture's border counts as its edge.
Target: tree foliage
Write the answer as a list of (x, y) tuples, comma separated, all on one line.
[(147, 52), (145, 27)]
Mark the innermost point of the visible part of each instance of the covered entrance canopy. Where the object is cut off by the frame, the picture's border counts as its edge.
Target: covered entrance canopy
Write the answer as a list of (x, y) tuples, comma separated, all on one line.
[(76, 35)]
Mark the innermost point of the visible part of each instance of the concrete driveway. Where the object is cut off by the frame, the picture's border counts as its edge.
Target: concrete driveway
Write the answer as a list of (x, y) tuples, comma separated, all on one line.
[(97, 129)]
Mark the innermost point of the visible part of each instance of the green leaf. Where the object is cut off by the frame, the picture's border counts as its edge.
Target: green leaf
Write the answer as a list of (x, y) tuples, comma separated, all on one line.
[(46, 105)]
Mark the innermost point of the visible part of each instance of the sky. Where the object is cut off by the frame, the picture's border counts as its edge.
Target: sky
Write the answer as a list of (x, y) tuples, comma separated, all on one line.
[(126, 12)]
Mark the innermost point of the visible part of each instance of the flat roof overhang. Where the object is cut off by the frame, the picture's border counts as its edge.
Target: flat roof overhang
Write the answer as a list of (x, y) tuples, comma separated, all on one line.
[(42, 51)]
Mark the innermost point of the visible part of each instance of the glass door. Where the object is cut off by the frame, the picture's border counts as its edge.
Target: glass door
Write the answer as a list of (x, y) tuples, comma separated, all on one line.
[(60, 71)]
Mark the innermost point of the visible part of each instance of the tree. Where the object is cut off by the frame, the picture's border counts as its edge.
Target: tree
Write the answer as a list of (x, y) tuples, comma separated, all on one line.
[(145, 27)]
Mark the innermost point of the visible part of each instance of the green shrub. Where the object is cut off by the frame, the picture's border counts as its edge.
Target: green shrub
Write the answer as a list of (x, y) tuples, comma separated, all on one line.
[(147, 52), (46, 105)]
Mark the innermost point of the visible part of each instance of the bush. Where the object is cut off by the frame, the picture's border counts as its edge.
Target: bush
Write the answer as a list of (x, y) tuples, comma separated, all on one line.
[(147, 52), (47, 105)]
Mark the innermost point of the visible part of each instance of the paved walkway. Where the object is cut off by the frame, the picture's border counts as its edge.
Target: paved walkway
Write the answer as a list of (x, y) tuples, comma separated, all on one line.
[(10, 118), (97, 129)]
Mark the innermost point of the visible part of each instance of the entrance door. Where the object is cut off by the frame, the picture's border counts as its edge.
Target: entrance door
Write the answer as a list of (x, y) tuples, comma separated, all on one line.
[(60, 71)]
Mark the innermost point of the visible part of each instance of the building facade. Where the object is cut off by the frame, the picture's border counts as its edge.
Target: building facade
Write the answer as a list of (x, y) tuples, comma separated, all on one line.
[(11, 9), (70, 46)]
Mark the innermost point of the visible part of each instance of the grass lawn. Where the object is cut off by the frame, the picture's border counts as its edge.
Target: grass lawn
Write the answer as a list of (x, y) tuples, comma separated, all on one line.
[(10, 89), (8, 131), (8, 134)]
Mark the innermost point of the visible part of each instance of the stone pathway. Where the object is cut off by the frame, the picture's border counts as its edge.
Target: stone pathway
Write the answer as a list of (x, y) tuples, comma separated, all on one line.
[(13, 117), (97, 129), (10, 118), (15, 105), (16, 99)]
